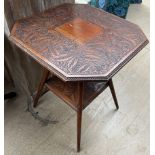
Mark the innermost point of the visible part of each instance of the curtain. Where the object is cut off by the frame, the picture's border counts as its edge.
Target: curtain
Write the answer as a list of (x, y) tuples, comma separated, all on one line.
[(116, 7), (21, 71), (24, 72)]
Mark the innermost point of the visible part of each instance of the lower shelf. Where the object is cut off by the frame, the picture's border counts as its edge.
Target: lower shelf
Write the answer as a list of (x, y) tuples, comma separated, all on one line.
[(67, 91)]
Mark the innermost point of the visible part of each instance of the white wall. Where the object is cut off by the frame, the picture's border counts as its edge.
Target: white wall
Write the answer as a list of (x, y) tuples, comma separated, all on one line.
[(82, 1)]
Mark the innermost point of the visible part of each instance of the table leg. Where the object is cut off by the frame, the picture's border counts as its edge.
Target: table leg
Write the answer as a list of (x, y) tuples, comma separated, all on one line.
[(79, 114), (41, 85), (111, 86)]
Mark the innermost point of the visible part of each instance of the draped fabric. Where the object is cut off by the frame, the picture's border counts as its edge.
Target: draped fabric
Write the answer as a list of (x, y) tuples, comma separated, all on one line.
[(21, 71), (116, 7), (135, 1), (24, 73)]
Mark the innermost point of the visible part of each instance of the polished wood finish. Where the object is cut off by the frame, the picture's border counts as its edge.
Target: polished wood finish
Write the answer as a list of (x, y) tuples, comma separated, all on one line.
[(83, 47), (79, 30), (79, 113), (68, 91), (77, 95), (96, 58)]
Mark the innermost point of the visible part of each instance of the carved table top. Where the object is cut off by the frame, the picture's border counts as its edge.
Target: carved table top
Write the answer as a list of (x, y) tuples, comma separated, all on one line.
[(79, 42)]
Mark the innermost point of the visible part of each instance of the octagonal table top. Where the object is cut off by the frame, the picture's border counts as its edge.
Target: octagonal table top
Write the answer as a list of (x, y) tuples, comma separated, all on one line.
[(79, 42)]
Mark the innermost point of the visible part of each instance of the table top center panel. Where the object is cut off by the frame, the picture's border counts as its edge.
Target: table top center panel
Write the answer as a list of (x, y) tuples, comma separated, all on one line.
[(79, 30)]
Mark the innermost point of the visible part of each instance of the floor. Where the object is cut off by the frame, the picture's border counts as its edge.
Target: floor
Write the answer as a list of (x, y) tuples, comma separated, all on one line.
[(104, 130)]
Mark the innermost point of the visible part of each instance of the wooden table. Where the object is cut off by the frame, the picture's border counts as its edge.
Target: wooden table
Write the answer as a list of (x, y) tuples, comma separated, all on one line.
[(82, 48)]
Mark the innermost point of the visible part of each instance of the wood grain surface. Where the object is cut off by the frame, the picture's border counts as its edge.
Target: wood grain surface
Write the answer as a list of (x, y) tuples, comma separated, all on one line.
[(97, 58), (79, 30), (68, 91)]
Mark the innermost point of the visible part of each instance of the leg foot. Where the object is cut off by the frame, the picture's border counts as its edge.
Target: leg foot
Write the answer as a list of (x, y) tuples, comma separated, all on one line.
[(79, 121)]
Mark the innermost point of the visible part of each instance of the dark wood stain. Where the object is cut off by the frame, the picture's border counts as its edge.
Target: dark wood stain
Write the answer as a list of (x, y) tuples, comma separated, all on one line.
[(77, 94), (79, 30), (83, 47), (98, 58), (68, 91)]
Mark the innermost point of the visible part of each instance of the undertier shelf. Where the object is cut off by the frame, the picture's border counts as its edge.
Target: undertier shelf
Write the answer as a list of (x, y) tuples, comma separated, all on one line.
[(68, 91)]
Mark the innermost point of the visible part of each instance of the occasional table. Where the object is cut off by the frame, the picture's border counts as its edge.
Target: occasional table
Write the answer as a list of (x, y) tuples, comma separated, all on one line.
[(81, 48)]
